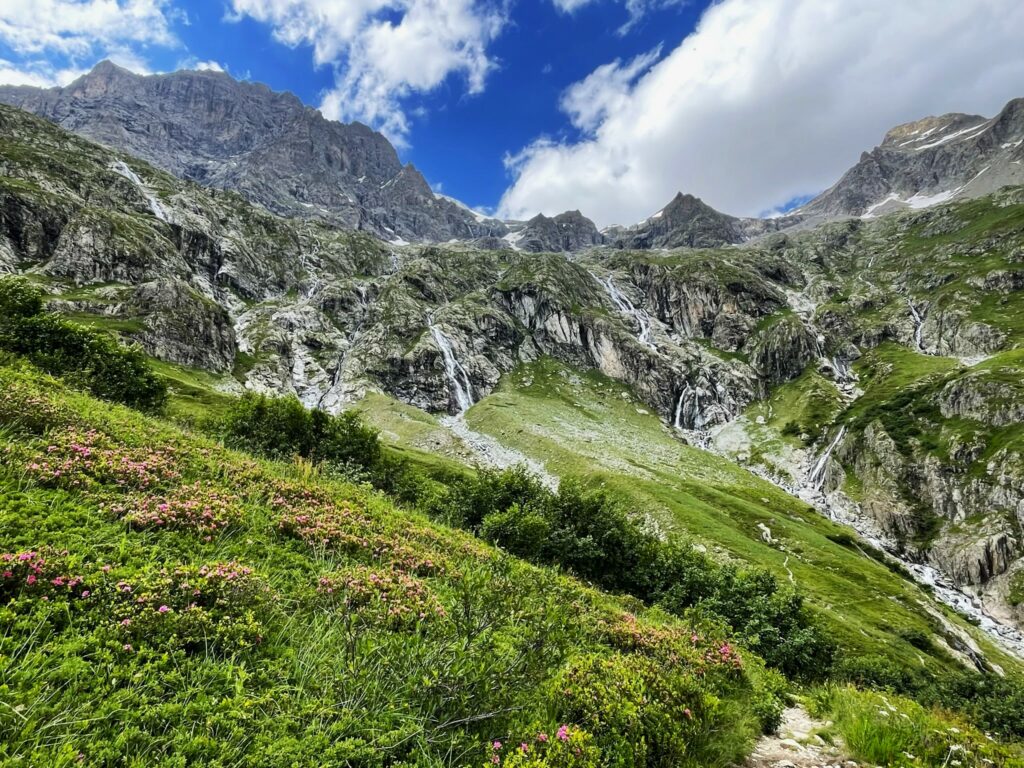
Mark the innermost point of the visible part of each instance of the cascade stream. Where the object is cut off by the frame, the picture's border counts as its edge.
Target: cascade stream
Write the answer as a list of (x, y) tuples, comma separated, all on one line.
[(154, 205)]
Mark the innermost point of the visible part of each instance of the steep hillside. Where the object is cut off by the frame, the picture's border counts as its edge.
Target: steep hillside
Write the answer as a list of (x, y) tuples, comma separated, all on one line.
[(701, 336), (269, 147)]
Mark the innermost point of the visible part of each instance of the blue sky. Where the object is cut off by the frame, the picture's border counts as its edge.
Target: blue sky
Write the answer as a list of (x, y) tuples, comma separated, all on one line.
[(608, 106), (459, 140)]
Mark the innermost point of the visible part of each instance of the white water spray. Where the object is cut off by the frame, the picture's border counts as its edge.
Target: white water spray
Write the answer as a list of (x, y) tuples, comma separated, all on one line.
[(816, 477), (918, 328), (458, 379), (626, 307), (154, 205)]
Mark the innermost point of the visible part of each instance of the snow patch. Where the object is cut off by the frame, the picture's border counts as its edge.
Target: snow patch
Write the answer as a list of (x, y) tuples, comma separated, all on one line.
[(973, 130)]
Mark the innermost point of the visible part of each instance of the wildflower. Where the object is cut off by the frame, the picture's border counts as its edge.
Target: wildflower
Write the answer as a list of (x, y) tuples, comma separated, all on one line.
[(495, 759), (163, 609), (524, 747), (688, 713), (31, 579), (542, 737), (563, 733), (127, 647), (85, 593), (126, 622), (496, 745)]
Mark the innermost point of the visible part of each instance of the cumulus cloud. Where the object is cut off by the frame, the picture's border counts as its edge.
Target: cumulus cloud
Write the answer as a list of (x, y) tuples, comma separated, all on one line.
[(765, 101), (80, 27), (604, 91), (384, 51), (57, 41), (35, 74)]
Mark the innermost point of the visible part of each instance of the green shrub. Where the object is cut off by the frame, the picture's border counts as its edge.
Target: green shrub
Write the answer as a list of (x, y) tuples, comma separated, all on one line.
[(19, 298), (83, 356), (645, 713), (596, 538), (1016, 596), (521, 531), (877, 672), (282, 427)]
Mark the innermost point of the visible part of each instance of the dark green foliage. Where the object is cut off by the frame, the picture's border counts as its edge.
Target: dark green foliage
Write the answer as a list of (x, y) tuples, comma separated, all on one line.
[(596, 538), (84, 356), (791, 429), (878, 672), (282, 427), (917, 638)]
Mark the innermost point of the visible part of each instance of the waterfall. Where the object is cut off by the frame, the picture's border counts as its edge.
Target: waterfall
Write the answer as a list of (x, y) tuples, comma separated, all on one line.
[(459, 384), (626, 307), (918, 327), (154, 205), (816, 477)]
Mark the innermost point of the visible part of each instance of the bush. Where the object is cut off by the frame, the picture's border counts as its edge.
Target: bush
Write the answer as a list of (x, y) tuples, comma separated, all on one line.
[(282, 427), (596, 538), (645, 713), (85, 357), (19, 298), (523, 532)]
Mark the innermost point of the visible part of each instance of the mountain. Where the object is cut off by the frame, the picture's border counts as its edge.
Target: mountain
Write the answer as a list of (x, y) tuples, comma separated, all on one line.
[(833, 349), (689, 222), (930, 161), (569, 231), (837, 405), (209, 128)]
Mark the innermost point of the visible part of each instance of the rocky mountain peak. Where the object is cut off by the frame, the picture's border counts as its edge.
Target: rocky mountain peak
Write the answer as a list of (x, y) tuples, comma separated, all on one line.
[(933, 127), (568, 231), (210, 128), (930, 161)]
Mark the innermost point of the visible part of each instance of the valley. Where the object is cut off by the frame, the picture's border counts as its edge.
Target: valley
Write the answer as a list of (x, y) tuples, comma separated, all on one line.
[(832, 398)]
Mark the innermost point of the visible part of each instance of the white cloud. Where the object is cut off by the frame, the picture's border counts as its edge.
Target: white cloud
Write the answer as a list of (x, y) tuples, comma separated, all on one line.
[(636, 9), (79, 27), (767, 100), (604, 91), (209, 66), (384, 50), (36, 73), (201, 66)]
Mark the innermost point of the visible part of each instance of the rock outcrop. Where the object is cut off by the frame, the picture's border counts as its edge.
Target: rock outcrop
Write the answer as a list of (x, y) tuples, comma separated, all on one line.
[(930, 161), (225, 134)]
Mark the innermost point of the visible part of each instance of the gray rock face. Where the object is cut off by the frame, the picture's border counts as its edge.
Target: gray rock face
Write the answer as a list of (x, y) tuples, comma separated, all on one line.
[(569, 231), (930, 161), (689, 222), (212, 129)]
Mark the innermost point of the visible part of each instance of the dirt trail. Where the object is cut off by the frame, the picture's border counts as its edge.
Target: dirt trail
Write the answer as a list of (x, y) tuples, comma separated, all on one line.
[(796, 745)]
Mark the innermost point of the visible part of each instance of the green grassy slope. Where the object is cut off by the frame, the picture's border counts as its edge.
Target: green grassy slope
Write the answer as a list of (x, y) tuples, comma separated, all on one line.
[(590, 426), (167, 602)]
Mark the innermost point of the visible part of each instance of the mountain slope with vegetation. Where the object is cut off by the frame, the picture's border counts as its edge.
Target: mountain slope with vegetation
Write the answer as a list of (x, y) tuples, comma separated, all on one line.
[(789, 466)]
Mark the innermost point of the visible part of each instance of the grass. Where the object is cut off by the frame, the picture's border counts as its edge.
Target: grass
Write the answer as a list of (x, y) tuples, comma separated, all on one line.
[(194, 395), (884, 729), (312, 624), (586, 425)]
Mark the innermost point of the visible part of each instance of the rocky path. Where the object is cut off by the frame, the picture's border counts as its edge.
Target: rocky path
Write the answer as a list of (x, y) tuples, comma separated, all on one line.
[(797, 745)]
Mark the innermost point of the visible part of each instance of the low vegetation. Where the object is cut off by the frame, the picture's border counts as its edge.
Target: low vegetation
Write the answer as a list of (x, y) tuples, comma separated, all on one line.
[(89, 358), (884, 729), (168, 601)]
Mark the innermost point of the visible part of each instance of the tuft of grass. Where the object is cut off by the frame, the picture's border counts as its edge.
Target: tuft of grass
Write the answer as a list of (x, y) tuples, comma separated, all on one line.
[(885, 729)]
